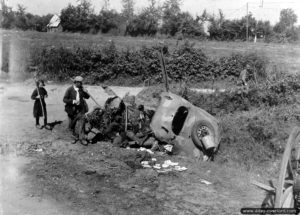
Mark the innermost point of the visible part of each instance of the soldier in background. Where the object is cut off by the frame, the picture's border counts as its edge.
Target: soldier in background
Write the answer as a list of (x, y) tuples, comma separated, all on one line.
[(243, 75)]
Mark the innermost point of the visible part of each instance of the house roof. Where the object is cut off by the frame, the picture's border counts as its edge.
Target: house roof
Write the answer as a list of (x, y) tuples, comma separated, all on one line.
[(206, 25), (54, 21)]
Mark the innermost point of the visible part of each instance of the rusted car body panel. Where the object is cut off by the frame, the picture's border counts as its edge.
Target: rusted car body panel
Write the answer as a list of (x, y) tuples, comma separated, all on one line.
[(174, 120)]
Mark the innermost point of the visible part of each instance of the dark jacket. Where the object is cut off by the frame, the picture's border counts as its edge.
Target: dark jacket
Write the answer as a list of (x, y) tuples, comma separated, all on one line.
[(37, 107), (73, 109)]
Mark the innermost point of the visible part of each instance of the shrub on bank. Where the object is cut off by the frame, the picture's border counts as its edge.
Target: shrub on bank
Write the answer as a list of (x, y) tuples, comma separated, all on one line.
[(256, 138), (108, 64), (281, 92), (256, 123)]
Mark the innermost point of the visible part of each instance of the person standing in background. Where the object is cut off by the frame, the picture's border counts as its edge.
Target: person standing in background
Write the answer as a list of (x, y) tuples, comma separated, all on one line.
[(39, 107)]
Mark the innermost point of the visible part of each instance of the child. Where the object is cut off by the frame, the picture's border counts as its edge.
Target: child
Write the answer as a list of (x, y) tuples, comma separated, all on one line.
[(39, 95)]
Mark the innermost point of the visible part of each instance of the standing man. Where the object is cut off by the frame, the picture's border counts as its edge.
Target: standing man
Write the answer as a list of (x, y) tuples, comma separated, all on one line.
[(243, 75), (75, 105)]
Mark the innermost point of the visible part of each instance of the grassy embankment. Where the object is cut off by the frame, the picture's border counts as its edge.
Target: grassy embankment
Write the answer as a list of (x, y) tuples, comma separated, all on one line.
[(20, 48)]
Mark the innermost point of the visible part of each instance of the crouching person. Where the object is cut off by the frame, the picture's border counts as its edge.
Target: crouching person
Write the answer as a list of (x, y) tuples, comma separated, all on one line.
[(76, 107), (140, 133)]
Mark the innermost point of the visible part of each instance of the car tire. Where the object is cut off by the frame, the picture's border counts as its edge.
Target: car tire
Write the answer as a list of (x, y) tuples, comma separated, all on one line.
[(195, 133)]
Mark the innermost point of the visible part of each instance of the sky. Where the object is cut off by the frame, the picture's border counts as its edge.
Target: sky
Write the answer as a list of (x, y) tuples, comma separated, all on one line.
[(269, 10)]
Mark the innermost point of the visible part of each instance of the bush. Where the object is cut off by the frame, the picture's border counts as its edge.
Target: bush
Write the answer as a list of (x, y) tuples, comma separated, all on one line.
[(278, 93), (253, 139), (108, 63)]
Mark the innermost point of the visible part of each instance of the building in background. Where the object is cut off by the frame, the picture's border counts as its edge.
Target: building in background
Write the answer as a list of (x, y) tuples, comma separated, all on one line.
[(54, 24)]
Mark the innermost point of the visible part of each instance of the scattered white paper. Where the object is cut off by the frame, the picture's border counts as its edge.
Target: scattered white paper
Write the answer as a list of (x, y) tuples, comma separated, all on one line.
[(205, 182), (179, 168)]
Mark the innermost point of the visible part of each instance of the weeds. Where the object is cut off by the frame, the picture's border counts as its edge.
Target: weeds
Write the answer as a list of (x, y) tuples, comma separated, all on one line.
[(108, 64)]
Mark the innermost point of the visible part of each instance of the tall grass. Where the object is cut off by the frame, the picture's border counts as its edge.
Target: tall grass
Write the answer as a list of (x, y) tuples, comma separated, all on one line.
[(28, 43)]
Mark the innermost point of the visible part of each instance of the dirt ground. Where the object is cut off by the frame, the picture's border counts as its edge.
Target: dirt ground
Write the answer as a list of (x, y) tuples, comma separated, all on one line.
[(43, 173)]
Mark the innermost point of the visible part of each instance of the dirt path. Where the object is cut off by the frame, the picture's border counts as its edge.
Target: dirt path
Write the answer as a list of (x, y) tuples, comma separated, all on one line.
[(41, 172)]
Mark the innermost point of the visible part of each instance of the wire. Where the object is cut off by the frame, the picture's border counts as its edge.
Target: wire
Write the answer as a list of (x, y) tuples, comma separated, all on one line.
[(281, 2), (237, 10), (271, 8), (253, 8)]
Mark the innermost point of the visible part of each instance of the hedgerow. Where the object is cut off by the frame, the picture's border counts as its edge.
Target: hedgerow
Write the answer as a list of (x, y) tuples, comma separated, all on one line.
[(108, 64), (281, 92)]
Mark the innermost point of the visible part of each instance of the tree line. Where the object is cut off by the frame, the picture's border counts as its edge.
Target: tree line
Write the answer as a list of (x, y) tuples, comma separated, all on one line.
[(167, 19), (20, 19)]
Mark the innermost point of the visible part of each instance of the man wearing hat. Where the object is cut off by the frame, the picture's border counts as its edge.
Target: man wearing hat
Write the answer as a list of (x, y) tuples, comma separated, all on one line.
[(39, 108), (75, 104)]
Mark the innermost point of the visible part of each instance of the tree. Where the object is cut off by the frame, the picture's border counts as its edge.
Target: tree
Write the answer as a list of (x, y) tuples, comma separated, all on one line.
[(69, 18), (154, 10), (21, 19), (189, 26), (286, 21), (108, 20), (215, 30), (264, 29), (78, 18), (204, 16), (128, 9), (288, 17), (8, 17), (171, 18), (143, 24), (284, 29), (42, 22), (106, 5)]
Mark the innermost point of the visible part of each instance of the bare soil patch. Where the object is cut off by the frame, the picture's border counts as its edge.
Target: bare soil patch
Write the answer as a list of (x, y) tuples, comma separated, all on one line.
[(75, 179)]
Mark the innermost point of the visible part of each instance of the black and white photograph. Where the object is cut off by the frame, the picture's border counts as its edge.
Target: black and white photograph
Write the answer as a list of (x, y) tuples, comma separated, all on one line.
[(141, 107)]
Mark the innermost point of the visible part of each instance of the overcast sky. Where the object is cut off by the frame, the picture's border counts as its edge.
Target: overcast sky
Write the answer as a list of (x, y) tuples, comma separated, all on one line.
[(231, 8)]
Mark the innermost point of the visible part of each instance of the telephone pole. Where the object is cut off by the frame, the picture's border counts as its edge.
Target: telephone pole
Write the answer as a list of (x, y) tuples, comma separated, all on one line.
[(106, 4), (247, 23), (2, 4)]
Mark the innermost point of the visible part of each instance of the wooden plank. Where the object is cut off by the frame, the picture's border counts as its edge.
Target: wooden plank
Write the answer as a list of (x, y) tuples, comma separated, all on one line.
[(263, 186)]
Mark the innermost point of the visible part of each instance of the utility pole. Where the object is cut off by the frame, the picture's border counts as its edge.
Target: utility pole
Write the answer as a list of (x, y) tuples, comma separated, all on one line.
[(106, 4), (247, 23), (2, 4)]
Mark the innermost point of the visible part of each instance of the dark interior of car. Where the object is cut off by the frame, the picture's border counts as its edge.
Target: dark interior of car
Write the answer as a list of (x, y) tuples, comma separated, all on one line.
[(179, 119)]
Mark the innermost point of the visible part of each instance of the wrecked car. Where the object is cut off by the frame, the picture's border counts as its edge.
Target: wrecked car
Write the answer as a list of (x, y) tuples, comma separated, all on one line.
[(191, 128)]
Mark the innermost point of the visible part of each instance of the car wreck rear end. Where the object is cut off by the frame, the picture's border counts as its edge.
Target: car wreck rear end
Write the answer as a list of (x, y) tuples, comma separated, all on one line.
[(189, 127)]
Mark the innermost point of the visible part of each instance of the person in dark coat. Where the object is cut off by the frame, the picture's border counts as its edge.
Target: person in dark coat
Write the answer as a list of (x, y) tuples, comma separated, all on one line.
[(76, 106), (39, 108)]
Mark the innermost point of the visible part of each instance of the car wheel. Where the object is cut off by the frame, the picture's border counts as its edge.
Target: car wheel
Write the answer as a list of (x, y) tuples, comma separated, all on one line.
[(201, 129)]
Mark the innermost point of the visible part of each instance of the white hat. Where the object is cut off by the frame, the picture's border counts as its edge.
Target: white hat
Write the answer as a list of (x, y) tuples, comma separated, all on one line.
[(78, 79)]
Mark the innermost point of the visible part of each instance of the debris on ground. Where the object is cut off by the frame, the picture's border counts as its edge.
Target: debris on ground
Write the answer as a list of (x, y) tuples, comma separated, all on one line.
[(147, 150), (205, 182), (89, 172), (166, 166)]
